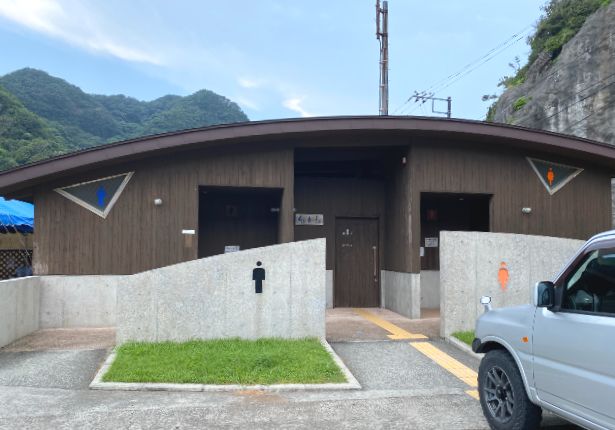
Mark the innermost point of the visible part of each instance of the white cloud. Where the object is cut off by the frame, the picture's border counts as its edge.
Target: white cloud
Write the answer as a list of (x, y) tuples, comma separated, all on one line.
[(294, 104), (75, 27), (249, 83)]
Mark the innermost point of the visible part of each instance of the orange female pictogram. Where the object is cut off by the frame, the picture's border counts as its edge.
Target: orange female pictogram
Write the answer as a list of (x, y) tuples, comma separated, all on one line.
[(503, 276), (550, 176)]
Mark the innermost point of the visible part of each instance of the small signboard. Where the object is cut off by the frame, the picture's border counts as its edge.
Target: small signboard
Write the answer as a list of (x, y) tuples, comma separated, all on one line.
[(309, 219), (431, 242), (231, 248)]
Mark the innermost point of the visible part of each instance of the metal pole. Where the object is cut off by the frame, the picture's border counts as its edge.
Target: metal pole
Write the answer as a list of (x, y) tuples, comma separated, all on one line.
[(382, 22), (448, 112)]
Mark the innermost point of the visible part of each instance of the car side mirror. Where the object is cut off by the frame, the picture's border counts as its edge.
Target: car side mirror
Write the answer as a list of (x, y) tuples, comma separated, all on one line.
[(544, 294)]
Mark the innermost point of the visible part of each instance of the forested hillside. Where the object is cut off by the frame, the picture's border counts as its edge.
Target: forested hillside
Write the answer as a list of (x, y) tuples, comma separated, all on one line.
[(42, 116)]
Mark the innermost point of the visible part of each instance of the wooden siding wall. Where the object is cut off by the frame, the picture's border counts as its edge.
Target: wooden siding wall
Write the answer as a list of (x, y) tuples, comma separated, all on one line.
[(397, 233), (578, 210), (136, 235), (337, 197)]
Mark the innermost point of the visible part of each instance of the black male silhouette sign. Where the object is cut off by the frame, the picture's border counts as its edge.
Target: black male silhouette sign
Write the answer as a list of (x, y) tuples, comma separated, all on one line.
[(258, 276)]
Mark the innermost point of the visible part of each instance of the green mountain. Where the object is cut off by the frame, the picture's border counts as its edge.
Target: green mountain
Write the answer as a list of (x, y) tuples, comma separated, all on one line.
[(24, 136), (42, 116)]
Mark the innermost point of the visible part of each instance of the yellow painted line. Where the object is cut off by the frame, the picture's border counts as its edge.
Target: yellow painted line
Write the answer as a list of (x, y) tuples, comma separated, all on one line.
[(473, 393), (397, 333), (448, 363)]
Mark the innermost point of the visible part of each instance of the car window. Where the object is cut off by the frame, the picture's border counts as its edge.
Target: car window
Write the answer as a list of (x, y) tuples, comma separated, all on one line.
[(591, 287)]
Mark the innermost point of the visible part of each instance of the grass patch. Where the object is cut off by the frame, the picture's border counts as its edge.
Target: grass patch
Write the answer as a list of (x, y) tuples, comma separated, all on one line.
[(465, 336), (225, 361)]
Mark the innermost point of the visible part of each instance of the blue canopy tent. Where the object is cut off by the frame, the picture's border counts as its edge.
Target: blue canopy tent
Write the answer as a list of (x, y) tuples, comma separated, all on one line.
[(16, 216)]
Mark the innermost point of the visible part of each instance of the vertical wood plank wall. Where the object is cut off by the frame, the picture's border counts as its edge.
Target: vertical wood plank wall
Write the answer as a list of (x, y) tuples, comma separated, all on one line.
[(136, 235), (337, 197), (579, 210), (398, 237)]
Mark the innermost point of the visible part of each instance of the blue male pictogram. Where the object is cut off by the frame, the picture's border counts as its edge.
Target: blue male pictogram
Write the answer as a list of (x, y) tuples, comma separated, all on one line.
[(101, 193)]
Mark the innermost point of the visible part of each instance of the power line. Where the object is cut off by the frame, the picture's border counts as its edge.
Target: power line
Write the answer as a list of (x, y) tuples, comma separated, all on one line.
[(553, 73), (449, 80), (580, 100)]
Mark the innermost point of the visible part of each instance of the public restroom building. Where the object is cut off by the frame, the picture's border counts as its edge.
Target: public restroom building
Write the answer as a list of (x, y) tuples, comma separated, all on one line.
[(379, 189)]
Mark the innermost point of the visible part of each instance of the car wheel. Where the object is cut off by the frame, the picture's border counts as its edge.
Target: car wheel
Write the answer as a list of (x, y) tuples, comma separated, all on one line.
[(502, 394)]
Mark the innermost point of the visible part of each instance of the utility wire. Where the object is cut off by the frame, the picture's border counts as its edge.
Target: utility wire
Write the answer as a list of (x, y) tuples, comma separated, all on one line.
[(467, 72), (464, 70), (553, 73), (579, 100)]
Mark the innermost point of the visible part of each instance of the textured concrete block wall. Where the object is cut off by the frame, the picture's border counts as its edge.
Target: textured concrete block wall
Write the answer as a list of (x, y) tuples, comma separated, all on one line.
[(469, 266), (215, 297), (19, 308), (78, 301), (430, 289), (329, 288), (402, 293)]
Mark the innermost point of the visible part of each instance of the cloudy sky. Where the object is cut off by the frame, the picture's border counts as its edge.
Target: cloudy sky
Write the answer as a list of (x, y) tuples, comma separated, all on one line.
[(276, 58)]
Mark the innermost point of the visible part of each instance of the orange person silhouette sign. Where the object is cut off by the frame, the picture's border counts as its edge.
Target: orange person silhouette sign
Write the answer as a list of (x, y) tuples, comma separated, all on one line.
[(258, 276), (550, 176), (503, 276), (553, 176)]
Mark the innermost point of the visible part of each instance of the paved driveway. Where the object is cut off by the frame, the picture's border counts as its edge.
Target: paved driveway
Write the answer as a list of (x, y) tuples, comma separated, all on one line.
[(402, 388)]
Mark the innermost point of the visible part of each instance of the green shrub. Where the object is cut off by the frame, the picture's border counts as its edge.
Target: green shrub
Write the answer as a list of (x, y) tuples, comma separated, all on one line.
[(519, 103)]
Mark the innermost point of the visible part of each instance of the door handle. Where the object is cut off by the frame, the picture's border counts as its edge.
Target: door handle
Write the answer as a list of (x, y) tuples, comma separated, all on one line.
[(375, 265)]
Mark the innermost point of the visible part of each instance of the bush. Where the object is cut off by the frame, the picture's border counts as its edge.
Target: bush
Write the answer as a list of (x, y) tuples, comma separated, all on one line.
[(519, 103)]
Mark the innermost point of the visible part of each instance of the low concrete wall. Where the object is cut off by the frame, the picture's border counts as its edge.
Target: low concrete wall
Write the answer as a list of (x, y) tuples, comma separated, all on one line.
[(37, 302), (469, 266), (430, 289), (78, 301), (329, 288), (215, 297), (19, 308), (402, 293)]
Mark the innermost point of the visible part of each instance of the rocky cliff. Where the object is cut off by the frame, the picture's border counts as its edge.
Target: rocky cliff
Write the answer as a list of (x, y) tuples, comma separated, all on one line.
[(573, 93)]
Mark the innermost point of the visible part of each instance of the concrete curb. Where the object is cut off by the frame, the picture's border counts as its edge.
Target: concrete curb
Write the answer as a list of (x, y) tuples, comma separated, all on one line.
[(98, 384), (462, 346)]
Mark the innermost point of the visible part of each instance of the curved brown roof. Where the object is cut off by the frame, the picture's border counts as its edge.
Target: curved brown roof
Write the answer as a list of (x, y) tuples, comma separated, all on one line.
[(27, 176)]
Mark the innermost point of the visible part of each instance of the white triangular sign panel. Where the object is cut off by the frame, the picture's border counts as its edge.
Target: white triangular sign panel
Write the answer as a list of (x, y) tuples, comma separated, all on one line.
[(98, 195), (553, 175)]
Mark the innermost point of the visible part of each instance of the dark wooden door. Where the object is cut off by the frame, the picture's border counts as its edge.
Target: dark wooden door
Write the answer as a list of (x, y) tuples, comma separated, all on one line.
[(357, 265)]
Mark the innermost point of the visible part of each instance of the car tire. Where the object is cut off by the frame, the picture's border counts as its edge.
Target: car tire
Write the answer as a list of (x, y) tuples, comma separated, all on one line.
[(502, 394)]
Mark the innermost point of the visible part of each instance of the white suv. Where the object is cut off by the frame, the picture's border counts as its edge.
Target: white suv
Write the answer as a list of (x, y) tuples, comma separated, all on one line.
[(559, 352)]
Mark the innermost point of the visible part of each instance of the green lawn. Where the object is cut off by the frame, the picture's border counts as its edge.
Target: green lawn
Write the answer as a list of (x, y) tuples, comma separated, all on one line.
[(225, 361), (465, 336)]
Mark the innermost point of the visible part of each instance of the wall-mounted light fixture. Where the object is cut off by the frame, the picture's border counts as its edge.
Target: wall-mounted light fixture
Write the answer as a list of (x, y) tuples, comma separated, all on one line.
[(403, 160), (157, 202), (526, 210)]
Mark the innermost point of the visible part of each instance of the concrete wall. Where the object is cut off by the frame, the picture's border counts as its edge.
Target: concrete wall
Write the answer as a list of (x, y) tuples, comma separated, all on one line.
[(469, 265), (430, 289), (401, 293), (215, 297), (37, 302), (19, 308), (78, 301), (329, 288)]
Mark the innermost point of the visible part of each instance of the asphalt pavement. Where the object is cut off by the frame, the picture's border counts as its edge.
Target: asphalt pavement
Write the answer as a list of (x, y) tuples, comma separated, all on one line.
[(402, 389)]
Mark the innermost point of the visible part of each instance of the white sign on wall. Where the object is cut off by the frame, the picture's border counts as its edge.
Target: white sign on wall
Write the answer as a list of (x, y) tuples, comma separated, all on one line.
[(309, 219), (231, 248), (431, 242)]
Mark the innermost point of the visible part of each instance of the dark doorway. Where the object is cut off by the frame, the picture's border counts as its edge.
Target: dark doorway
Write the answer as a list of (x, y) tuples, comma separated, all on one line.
[(454, 212), (232, 218), (357, 265)]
